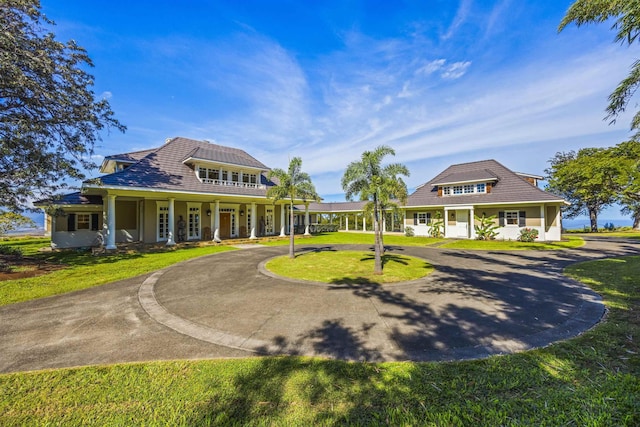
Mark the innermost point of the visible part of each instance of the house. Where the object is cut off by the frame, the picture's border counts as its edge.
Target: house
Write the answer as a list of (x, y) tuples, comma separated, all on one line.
[(188, 190), (462, 193)]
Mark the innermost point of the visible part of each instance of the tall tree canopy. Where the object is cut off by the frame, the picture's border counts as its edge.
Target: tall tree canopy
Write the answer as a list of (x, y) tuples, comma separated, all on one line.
[(380, 185), (594, 178), (293, 184), (586, 180), (50, 118), (626, 16)]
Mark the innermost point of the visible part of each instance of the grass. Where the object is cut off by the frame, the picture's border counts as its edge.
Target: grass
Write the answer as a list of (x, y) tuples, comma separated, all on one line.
[(512, 245), (349, 238), (348, 267), (82, 270), (591, 380)]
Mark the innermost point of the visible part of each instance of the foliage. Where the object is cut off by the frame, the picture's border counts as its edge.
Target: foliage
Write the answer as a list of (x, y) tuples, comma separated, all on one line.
[(584, 179), (292, 185), (528, 235), (11, 251), (348, 267), (49, 116), (408, 231), (437, 226), (589, 380), (377, 184), (627, 26), (486, 229), (12, 221)]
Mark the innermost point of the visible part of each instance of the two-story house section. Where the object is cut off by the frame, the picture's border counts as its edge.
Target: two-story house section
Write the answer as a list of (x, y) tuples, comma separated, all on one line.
[(465, 191), (184, 190)]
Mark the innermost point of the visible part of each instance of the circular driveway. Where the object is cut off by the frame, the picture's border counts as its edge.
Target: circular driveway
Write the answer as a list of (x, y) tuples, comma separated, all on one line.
[(475, 304)]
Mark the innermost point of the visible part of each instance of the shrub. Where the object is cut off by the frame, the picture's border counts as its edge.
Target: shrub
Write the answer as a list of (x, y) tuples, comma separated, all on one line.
[(408, 231), (528, 234), (486, 230), (437, 226), (11, 251)]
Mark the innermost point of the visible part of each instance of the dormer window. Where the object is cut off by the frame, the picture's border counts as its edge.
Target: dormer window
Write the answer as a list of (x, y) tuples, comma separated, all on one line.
[(458, 190), (225, 177)]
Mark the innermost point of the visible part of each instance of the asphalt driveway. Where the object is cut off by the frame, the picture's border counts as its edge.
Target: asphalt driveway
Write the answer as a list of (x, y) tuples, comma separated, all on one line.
[(475, 304)]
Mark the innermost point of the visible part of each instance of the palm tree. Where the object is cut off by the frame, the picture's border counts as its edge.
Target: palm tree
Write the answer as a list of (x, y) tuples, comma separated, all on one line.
[(293, 185), (378, 185)]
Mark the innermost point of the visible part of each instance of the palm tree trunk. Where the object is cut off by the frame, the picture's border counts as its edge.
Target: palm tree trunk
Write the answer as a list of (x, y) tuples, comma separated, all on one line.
[(377, 268), (291, 234)]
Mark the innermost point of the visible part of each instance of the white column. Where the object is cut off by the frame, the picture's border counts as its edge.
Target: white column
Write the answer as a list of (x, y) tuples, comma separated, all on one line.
[(384, 222), (253, 221), (283, 219), (347, 223), (364, 222), (170, 239), (446, 222), (543, 224), (216, 222), (472, 223), (306, 220), (111, 222)]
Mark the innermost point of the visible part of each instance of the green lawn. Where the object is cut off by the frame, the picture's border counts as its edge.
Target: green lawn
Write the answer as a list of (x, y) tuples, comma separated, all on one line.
[(591, 380), (82, 270), (509, 245), (349, 238), (348, 267)]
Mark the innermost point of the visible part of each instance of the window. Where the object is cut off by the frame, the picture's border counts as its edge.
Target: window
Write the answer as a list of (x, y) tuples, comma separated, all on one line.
[(457, 189), (214, 174), (234, 176), (202, 173), (469, 188), (422, 218), (481, 188), (511, 217), (225, 175), (446, 191), (83, 221), (163, 221), (253, 178), (193, 231), (245, 178)]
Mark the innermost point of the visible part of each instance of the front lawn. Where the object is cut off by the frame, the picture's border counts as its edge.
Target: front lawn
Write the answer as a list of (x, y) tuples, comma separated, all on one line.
[(80, 270), (591, 380), (348, 267), (352, 238), (512, 245)]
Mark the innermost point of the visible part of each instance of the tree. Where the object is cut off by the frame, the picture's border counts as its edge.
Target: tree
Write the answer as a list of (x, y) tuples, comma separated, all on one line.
[(586, 180), (49, 117), (378, 185), (293, 185), (626, 156), (12, 221), (627, 26)]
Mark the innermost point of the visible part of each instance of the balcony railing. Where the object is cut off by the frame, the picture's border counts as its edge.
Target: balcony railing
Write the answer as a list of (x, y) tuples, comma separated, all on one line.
[(233, 183)]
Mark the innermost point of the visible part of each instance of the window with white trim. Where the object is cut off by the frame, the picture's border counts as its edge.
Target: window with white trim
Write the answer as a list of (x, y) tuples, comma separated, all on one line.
[(193, 223), (423, 218), (511, 217), (457, 190), (163, 221)]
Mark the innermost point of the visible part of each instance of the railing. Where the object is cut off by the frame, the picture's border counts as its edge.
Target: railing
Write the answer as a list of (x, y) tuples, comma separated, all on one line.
[(233, 183)]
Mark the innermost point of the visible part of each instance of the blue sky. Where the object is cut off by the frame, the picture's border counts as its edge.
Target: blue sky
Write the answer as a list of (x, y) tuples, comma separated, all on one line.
[(440, 81)]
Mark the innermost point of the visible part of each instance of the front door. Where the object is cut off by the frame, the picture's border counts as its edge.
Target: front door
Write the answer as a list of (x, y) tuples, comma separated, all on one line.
[(225, 225), (462, 224)]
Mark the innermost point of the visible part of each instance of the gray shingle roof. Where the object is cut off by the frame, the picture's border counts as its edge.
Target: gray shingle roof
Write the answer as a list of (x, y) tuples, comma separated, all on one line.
[(509, 187), (132, 157), (76, 198), (164, 169), (467, 176)]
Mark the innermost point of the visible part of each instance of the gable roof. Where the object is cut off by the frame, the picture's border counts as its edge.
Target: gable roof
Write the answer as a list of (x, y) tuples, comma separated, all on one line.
[(164, 168), (508, 187)]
